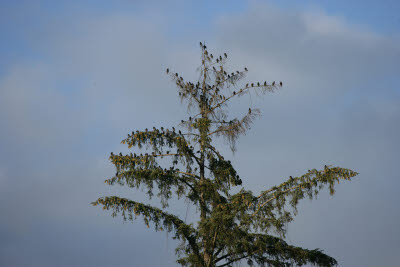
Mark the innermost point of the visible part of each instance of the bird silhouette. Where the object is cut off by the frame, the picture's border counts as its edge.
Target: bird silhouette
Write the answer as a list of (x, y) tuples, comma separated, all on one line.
[(281, 84), (273, 83), (225, 55), (249, 110), (167, 70), (245, 69)]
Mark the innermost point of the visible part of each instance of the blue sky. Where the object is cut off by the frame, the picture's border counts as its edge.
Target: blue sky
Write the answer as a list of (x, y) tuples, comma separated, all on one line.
[(76, 77)]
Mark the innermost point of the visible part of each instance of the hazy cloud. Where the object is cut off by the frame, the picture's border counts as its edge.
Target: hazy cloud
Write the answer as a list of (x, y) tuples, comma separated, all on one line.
[(99, 77)]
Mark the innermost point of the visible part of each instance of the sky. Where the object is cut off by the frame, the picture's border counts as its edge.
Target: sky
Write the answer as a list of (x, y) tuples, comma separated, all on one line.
[(77, 76)]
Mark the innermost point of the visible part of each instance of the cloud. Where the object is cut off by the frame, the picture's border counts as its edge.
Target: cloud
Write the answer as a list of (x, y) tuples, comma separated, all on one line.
[(96, 78)]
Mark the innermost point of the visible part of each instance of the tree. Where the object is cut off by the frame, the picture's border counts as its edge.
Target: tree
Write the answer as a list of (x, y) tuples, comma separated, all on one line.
[(232, 226)]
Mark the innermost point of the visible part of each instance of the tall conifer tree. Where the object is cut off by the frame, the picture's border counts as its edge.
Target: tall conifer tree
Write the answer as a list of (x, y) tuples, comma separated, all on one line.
[(231, 227)]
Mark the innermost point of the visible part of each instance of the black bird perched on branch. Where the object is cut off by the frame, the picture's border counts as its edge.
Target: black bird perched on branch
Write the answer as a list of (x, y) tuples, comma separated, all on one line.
[(249, 110), (280, 83), (265, 83), (273, 83), (225, 55), (167, 70), (245, 69)]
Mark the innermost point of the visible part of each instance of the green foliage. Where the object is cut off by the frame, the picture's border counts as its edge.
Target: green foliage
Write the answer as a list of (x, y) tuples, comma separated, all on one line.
[(231, 227)]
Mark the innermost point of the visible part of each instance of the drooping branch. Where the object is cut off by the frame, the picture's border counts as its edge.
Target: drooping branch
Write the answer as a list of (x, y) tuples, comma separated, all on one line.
[(271, 250), (162, 220), (268, 209)]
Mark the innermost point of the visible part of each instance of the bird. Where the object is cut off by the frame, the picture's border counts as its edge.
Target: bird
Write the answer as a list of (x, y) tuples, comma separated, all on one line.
[(190, 118), (245, 69), (273, 83), (167, 70), (182, 121), (265, 83), (176, 74), (247, 85), (234, 93), (217, 60), (180, 132), (237, 72), (249, 110), (281, 84), (258, 84), (201, 44), (225, 55), (252, 84), (211, 55)]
